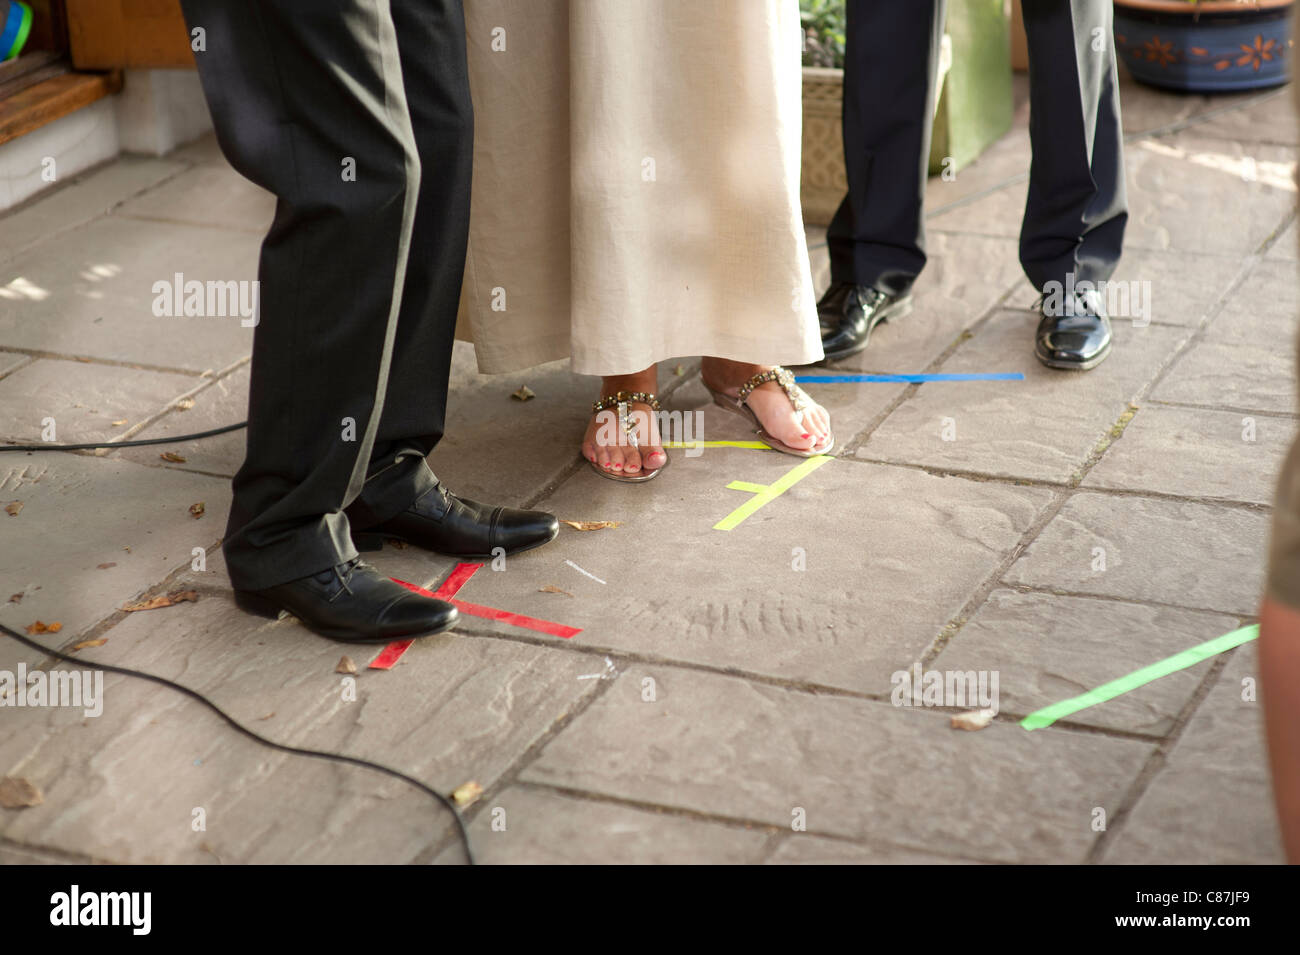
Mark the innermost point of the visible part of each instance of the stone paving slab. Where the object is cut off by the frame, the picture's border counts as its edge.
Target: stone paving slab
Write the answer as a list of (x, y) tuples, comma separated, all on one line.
[(454, 709), (1270, 120), (1004, 161), (24, 855), (79, 512), (95, 298), (12, 361), (84, 399), (858, 769), (1177, 288), (536, 826), (211, 195), (1194, 452), (541, 436), (803, 849), (1176, 186), (1256, 377), (1048, 648), (1145, 108), (224, 402), (1182, 553), (1285, 246), (84, 198), (1211, 802), (965, 277), (881, 581), (1262, 310), (1043, 427)]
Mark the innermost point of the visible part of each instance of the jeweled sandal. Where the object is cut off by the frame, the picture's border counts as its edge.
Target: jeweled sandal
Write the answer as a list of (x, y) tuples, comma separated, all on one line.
[(623, 400), (798, 398)]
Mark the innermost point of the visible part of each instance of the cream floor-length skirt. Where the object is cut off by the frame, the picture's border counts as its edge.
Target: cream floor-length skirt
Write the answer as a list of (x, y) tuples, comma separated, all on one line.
[(636, 184)]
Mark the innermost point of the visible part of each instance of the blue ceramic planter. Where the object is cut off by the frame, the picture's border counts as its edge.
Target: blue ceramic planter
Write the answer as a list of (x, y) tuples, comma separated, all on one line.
[(1205, 51)]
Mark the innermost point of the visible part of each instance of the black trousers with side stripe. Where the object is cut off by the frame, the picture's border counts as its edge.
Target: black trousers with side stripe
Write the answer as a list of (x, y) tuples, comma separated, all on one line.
[(356, 115)]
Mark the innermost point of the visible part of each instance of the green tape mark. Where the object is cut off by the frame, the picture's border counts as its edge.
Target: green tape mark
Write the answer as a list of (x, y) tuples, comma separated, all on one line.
[(764, 493), (1108, 691)]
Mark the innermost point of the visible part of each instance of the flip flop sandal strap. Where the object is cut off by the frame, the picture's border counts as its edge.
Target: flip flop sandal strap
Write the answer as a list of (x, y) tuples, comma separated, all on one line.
[(625, 397), (783, 377), (622, 400)]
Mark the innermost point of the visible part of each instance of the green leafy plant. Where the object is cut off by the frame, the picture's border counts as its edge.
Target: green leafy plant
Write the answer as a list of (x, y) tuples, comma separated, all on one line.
[(823, 32)]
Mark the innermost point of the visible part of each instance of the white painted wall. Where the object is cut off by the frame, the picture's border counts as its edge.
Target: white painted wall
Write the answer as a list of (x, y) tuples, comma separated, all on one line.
[(156, 111)]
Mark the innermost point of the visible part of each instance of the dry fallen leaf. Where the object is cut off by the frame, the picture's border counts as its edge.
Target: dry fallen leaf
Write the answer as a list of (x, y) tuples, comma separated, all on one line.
[(267, 716), (13, 507), (552, 589), (197, 510), (111, 563), (466, 793), (15, 598), (973, 720), (592, 525), (18, 793), (394, 542), (118, 423), (163, 600), (523, 394), (41, 627), (88, 644), (346, 666), (172, 456), (185, 404)]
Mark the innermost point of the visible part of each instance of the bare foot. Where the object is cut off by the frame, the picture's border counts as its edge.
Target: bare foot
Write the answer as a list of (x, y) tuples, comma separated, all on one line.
[(804, 430), (613, 450)]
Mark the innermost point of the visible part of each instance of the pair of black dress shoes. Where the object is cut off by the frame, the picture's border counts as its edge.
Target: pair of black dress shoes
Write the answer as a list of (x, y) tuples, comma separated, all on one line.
[(355, 603), (1073, 331)]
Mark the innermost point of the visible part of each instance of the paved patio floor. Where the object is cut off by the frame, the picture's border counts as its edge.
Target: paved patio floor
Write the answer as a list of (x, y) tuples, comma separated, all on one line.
[(728, 696)]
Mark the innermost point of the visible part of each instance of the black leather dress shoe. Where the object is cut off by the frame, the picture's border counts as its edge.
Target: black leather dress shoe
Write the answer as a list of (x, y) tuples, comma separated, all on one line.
[(354, 603), (847, 314), (446, 524), (1074, 332)]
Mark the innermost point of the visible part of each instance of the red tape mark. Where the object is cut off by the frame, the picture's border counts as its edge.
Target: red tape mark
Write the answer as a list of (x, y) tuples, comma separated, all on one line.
[(457, 579)]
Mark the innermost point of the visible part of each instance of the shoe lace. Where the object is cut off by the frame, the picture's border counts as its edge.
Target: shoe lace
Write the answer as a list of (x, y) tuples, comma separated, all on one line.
[(872, 298), (342, 577)]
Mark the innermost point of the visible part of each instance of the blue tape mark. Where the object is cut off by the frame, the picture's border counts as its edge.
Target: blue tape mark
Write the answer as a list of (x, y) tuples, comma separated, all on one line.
[(9, 33), (991, 376)]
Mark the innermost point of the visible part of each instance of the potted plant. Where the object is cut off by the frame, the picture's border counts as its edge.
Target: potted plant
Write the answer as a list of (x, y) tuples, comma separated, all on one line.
[(973, 109), (1205, 46)]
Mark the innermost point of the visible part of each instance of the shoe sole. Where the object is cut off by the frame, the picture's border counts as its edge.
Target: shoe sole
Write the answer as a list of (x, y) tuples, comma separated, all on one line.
[(265, 607), (899, 309), (1092, 362), (629, 478), (369, 543)]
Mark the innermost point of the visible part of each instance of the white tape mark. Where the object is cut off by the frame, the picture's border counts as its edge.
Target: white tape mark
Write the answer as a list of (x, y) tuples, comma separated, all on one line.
[(581, 571)]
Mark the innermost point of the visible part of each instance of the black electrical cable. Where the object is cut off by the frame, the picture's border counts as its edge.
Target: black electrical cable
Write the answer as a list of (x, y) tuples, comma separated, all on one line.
[(174, 439), (282, 747)]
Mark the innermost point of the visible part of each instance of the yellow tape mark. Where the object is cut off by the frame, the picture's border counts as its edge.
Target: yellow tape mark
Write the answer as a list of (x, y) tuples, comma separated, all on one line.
[(757, 445), (764, 493)]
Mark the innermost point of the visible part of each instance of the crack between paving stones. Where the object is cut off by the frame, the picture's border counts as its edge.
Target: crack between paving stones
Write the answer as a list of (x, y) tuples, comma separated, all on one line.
[(625, 659), (779, 835), (1156, 760), (104, 213), (1226, 409), (510, 774)]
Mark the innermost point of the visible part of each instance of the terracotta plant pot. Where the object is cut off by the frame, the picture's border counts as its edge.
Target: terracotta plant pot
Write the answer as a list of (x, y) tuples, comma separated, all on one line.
[(1207, 47)]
